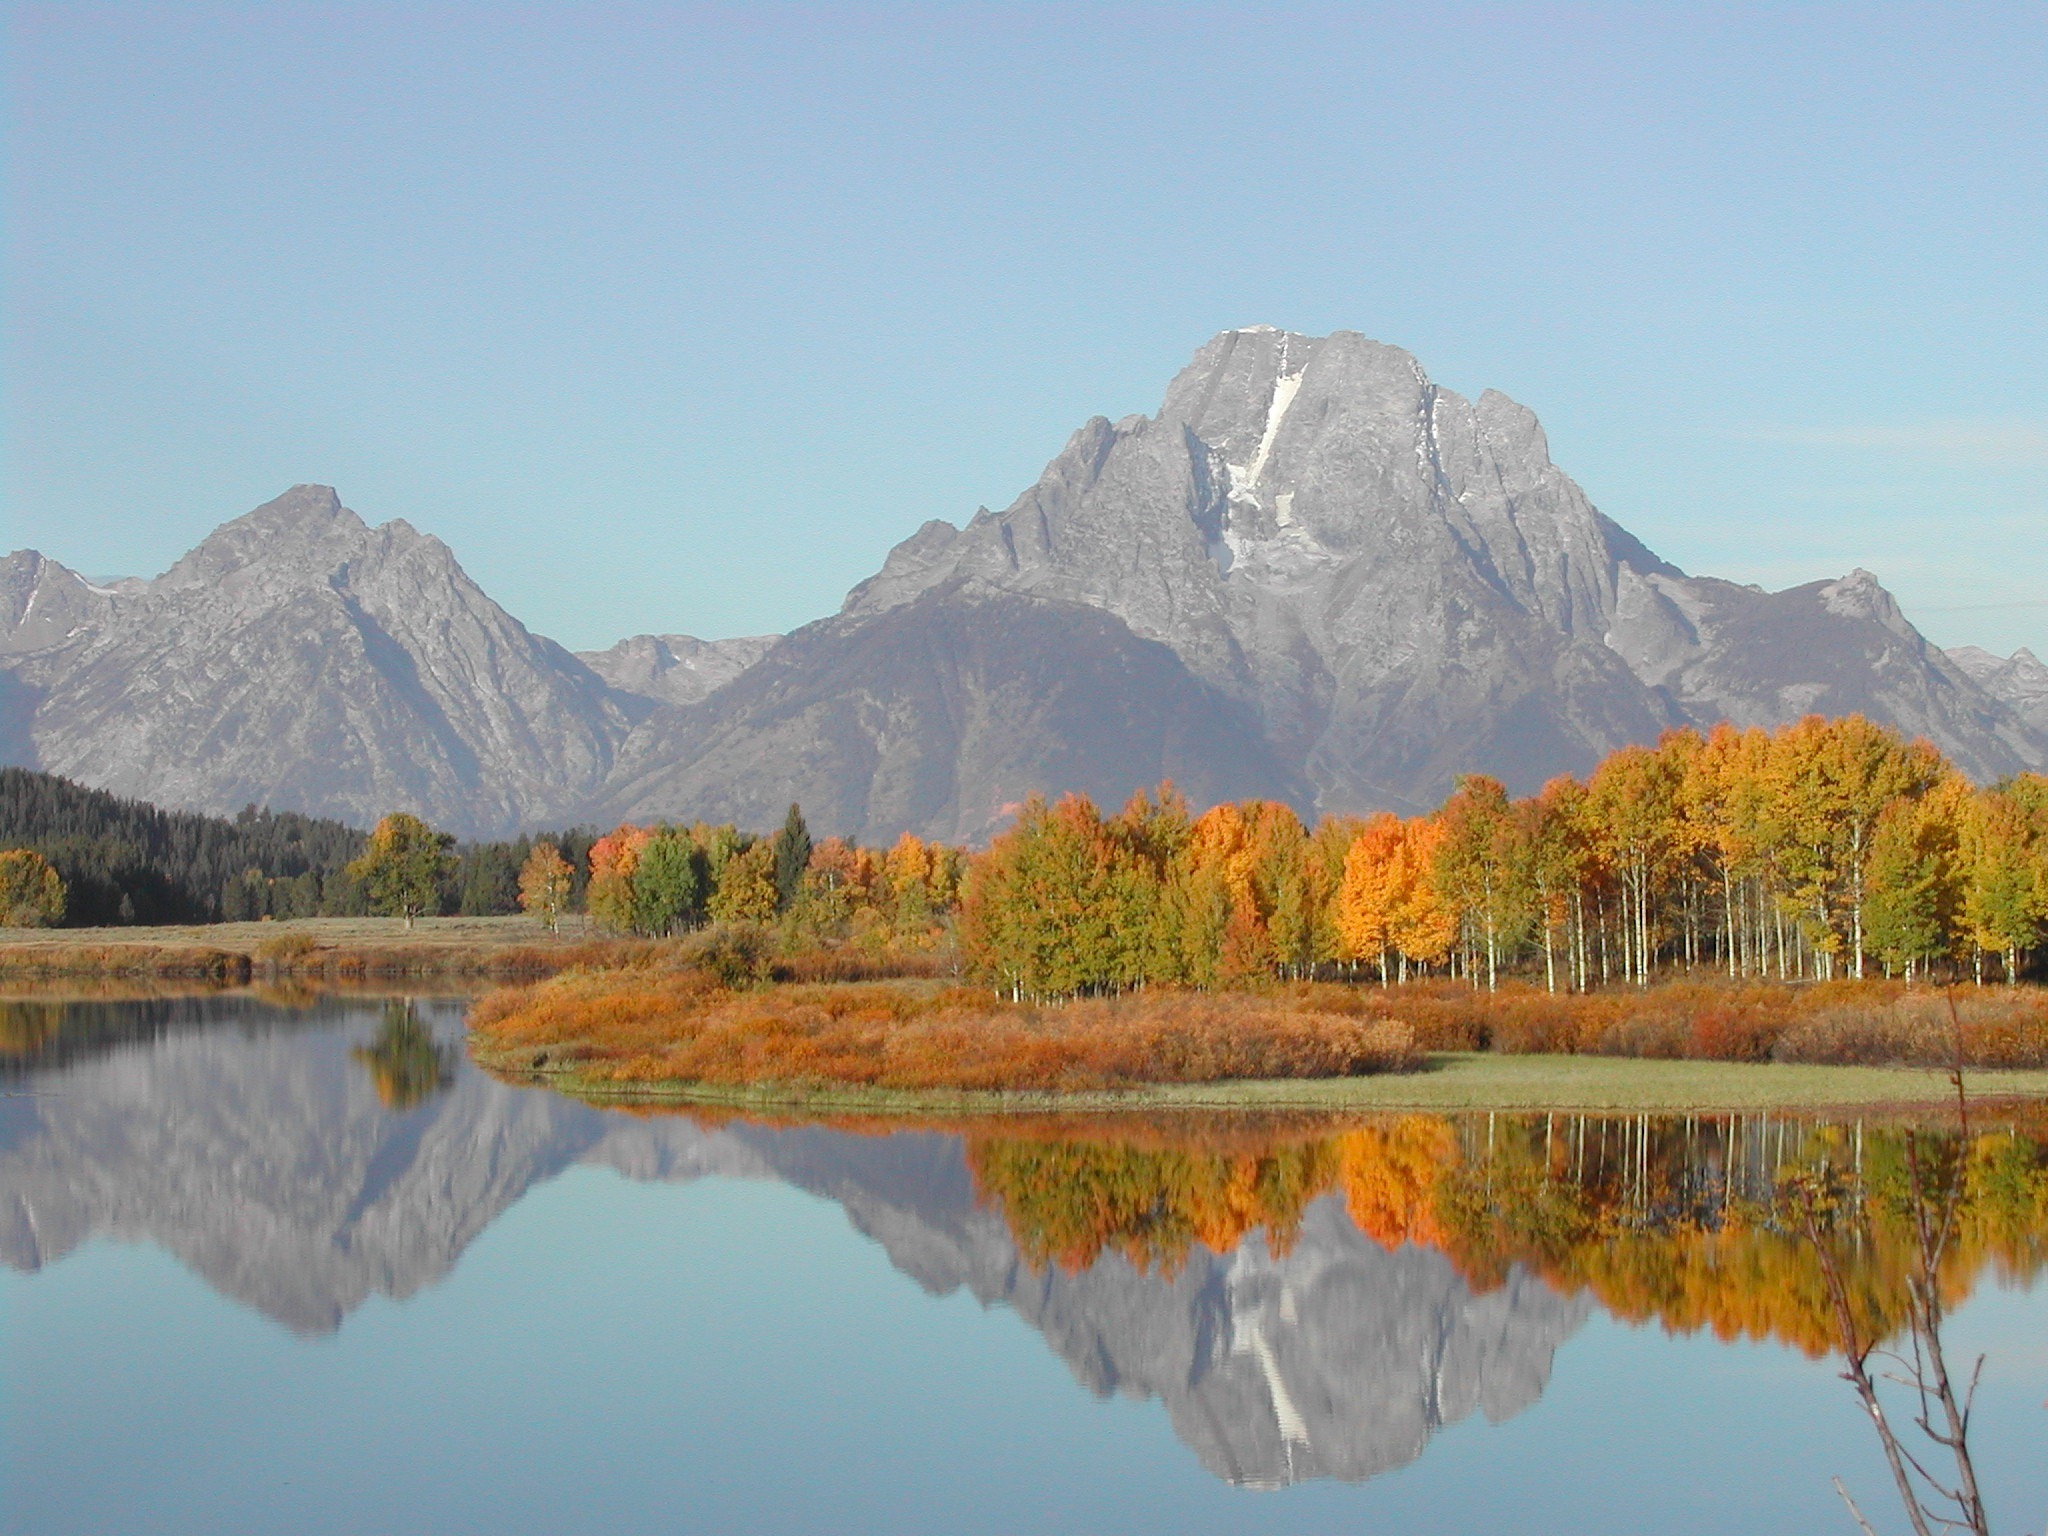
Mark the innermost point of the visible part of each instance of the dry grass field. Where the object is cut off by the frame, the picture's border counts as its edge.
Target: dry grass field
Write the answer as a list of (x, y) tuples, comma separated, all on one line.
[(334, 948)]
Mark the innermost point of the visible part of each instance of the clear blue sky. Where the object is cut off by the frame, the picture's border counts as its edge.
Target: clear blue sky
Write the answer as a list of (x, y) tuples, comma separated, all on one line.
[(676, 318)]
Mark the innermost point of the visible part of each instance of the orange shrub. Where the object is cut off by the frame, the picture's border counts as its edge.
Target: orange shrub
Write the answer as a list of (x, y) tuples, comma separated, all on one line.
[(681, 1026)]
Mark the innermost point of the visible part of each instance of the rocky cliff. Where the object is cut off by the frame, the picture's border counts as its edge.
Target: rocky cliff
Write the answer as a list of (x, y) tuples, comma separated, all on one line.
[(2019, 681)]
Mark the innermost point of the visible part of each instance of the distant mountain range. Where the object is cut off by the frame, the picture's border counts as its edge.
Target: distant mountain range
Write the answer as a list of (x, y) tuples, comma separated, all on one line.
[(1313, 576)]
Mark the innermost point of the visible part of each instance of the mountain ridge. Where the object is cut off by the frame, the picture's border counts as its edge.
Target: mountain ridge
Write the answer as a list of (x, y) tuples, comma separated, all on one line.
[(1314, 575)]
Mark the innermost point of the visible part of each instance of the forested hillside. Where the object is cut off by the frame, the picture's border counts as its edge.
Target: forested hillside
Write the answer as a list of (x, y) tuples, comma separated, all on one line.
[(125, 861)]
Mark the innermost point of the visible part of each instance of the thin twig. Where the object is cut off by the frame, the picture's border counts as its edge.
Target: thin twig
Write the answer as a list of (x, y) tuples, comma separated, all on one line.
[(1855, 1513)]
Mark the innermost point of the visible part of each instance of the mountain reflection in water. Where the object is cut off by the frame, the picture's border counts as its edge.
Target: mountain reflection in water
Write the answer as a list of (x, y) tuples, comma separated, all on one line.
[(1307, 1299)]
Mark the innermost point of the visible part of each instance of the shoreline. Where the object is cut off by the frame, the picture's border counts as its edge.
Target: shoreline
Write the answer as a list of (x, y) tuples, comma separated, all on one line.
[(1448, 1081), (225, 955)]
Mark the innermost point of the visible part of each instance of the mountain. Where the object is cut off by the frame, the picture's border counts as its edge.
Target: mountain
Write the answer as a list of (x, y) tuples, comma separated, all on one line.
[(675, 669), (941, 716), (2018, 681), (1362, 585), (1313, 575), (300, 658)]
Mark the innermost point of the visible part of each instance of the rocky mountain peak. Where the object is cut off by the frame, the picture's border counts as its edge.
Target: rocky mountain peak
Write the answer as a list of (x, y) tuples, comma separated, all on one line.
[(2019, 681), (1314, 575), (1860, 595), (306, 528), (44, 604)]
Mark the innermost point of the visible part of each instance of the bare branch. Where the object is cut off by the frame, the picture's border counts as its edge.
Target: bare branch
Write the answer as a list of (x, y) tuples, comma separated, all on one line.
[(1854, 1513)]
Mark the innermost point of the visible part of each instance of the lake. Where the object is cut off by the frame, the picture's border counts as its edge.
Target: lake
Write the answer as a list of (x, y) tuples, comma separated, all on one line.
[(297, 1267)]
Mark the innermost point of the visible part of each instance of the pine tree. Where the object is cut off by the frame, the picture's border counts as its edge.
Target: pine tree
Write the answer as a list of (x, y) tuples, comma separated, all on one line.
[(792, 857)]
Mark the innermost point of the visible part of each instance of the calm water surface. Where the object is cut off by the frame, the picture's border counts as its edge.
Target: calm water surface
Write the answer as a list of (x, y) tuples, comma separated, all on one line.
[(274, 1269)]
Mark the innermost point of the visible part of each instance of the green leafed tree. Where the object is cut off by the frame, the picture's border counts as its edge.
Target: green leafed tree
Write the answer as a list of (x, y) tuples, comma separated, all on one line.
[(1912, 880), (404, 867), (669, 883)]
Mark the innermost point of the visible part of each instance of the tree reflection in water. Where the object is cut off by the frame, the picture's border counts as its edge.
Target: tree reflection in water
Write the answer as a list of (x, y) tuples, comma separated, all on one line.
[(1852, 1238), (1929, 1203), (1690, 1222), (405, 1062)]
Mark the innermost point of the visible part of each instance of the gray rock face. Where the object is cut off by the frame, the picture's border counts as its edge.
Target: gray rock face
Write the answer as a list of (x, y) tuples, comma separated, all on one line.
[(1397, 580), (1313, 576), (248, 1144), (675, 669), (1727, 652), (2019, 681), (942, 715), (42, 604), (299, 658)]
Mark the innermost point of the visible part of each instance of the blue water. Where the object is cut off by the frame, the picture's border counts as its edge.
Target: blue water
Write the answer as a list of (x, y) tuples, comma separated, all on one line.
[(244, 1293)]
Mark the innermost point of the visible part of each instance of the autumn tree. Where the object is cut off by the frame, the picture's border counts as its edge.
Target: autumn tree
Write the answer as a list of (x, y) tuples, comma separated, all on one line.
[(746, 890), (613, 859), (1482, 864), (1329, 848), (908, 873), (403, 867), (544, 883), (1632, 800), (1375, 872), (1554, 833), (31, 891), (2006, 847), (1425, 920)]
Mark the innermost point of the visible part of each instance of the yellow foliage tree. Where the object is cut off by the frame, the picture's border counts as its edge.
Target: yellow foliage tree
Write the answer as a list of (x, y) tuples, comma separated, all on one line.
[(31, 891), (544, 883), (1375, 871), (746, 886)]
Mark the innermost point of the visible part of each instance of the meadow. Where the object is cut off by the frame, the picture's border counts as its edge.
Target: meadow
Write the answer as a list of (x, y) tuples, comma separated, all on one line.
[(309, 950)]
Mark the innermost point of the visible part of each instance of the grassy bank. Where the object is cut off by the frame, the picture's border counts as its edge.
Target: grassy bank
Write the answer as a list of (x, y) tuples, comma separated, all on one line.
[(318, 949), (1442, 1081)]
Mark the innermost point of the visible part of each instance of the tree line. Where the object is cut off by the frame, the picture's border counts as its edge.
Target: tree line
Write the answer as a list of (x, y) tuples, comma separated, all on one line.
[(1828, 848), (663, 879), (126, 861), (118, 861), (1823, 849)]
